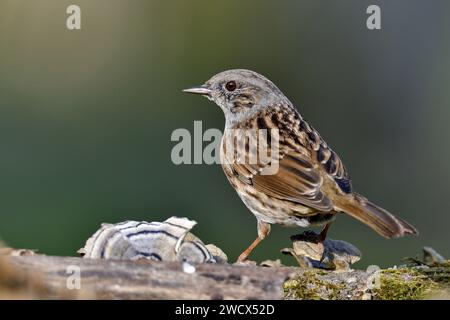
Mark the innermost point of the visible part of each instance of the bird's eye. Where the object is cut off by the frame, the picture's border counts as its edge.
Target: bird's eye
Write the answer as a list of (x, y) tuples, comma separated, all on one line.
[(230, 86)]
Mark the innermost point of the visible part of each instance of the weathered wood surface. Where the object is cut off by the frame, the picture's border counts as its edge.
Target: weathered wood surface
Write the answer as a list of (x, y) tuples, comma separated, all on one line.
[(107, 279), (46, 277)]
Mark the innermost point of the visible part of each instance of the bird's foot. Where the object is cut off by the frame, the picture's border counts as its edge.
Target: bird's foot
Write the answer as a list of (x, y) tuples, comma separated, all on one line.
[(308, 236), (324, 254)]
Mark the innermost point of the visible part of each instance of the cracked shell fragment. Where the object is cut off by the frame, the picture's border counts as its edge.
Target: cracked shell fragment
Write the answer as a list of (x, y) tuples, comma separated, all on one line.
[(170, 240)]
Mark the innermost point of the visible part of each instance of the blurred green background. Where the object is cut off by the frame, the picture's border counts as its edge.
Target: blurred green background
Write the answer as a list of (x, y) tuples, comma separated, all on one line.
[(86, 116)]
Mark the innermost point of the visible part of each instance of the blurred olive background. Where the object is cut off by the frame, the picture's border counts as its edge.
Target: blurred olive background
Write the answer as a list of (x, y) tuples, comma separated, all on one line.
[(86, 116)]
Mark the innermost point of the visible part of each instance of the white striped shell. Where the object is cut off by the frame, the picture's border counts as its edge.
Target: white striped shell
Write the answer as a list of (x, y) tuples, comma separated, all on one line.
[(164, 241)]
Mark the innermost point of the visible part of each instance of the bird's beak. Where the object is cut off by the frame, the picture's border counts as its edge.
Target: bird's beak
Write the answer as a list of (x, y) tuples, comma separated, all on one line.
[(203, 90)]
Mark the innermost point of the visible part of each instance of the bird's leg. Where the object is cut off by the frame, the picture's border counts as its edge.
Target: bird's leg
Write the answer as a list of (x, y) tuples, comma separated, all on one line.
[(263, 231), (323, 233), (322, 237)]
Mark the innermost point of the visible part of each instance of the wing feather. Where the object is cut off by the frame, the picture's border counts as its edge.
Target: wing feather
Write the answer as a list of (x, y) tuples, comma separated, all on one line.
[(296, 181), (305, 161)]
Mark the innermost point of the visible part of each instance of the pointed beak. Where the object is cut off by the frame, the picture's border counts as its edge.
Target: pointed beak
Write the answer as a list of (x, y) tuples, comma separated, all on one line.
[(203, 90)]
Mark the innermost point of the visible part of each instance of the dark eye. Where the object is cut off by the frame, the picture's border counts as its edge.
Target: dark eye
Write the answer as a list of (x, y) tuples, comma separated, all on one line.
[(230, 86)]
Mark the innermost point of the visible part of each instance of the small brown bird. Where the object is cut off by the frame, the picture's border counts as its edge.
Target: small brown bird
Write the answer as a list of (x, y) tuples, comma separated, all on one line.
[(311, 184)]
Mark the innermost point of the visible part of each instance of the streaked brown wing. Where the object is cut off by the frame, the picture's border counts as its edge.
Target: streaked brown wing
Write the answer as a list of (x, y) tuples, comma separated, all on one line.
[(329, 160), (296, 181), (334, 167), (304, 163)]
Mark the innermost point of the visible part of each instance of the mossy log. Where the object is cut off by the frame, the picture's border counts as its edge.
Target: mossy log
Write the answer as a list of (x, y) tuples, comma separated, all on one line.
[(47, 277), (405, 283)]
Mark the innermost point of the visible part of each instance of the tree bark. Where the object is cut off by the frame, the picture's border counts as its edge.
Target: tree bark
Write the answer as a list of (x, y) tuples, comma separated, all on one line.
[(42, 277)]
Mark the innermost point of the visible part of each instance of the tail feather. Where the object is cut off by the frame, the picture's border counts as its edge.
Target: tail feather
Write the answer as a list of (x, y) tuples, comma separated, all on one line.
[(380, 220)]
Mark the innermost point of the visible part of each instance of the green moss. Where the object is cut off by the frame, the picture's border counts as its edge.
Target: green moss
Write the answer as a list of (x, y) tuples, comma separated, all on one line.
[(408, 283), (310, 286), (405, 284)]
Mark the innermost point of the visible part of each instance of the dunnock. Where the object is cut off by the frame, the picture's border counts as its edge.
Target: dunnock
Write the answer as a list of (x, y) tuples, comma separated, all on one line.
[(311, 184)]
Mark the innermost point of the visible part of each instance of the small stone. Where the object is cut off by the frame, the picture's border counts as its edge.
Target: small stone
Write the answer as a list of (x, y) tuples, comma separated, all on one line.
[(188, 268), (272, 263), (246, 263), (351, 280), (366, 296), (17, 252)]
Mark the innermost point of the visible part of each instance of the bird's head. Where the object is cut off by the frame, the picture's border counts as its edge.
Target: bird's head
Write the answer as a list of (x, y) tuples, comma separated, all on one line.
[(240, 93)]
